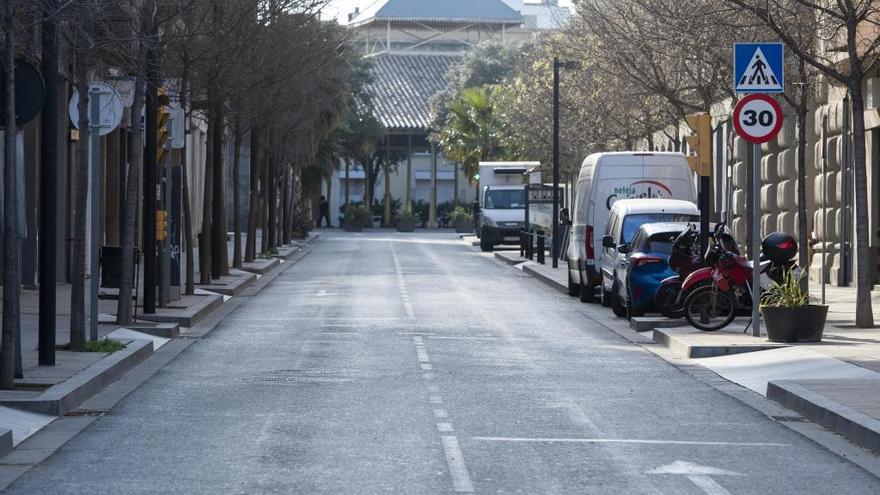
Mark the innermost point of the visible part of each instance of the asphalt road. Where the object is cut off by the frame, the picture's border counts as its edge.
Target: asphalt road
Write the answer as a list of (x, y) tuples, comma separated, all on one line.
[(401, 363)]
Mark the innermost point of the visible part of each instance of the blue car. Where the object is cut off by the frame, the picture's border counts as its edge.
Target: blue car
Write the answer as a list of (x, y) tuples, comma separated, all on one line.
[(644, 265)]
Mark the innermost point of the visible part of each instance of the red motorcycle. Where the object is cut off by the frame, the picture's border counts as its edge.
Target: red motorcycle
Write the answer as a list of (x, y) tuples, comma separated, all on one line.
[(717, 294), (693, 271), (684, 259)]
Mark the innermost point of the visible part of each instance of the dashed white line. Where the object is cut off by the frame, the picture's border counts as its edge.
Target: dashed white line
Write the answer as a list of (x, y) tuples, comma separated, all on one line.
[(426, 366), (423, 355), (444, 427), (461, 480), (629, 440), (435, 399), (441, 413)]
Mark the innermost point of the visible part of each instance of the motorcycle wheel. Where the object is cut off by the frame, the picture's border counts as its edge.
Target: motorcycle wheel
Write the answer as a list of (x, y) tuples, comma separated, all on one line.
[(664, 301), (708, 309)]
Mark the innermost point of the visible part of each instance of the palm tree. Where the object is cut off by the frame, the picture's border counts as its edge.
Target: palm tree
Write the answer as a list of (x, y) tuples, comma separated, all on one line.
[(472, 132)]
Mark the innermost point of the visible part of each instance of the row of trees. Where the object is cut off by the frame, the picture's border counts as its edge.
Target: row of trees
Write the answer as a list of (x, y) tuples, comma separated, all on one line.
[(268, 73), (642, 65)]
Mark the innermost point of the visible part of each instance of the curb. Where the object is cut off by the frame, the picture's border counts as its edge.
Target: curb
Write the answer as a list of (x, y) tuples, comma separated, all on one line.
[(5, 441), (857, 427), (189, 319), (547, 280), (62, 398), (695, 351)]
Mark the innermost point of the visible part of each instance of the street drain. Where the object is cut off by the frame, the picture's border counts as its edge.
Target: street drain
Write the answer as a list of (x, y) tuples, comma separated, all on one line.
[(304, 375)]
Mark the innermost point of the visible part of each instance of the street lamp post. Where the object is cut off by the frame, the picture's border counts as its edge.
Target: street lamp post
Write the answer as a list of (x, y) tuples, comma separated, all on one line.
[(556, 65)]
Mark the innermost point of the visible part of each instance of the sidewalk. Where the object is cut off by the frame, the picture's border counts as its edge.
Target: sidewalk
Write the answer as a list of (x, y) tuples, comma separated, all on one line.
[(46, 392), (835, 383)]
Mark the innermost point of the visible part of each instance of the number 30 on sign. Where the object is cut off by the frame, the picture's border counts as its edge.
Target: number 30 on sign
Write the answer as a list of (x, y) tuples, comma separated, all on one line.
[(757, 118)]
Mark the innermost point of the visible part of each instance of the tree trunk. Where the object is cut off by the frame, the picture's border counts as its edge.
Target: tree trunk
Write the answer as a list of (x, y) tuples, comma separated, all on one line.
[(78, 280), (236, 207), (347, 171), (271, 193), (9, 347), (190, 287), (207, 201), (803, 238), (129, 221), (864, 312), (250, 251), (219, 256), (264, 197), (285, 205)]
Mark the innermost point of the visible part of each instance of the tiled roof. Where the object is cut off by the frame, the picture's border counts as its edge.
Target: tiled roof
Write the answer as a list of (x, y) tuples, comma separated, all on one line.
[(403, 86), (441, 11)]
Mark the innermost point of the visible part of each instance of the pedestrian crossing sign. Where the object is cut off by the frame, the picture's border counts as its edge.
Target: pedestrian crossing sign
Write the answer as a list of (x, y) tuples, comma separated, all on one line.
[(758, 68)]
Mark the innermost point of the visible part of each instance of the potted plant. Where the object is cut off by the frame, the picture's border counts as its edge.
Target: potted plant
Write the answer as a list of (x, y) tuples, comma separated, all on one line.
[(788, 314), (356, 218), (462, 219), (405, 222)]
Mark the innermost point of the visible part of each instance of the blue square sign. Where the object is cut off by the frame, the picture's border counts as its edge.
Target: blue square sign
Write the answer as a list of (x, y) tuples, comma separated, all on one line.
[(758, 68)]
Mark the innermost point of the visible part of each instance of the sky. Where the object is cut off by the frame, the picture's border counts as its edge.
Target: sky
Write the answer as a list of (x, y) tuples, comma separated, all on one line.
[(339, 8)]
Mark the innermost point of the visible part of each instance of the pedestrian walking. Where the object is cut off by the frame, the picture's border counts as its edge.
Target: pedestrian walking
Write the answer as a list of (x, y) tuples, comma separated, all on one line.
[(324, 211)]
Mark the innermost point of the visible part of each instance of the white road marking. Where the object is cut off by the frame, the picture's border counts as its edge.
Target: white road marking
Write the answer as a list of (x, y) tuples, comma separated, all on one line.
[(441, 413), (415, 333), (629, 440), (409, 310), (435, 399), (341, 325), (698, 474), (444, 427), (426, 366), (418, 340), (428, 376), (461, 480), (708, 485), (340, 333), (434, 389), (423, 355), (486, 338)]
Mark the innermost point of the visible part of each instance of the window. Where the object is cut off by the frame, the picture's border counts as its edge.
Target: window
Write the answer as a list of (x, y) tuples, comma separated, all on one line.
[(505, 199), (632, 223), (661, 243)]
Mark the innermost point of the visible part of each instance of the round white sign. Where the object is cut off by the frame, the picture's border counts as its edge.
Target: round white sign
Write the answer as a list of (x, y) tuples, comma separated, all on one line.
[(757, 118), (110, 104)]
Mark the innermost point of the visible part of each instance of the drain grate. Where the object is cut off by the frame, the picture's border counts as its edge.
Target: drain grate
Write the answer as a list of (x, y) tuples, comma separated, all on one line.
[(303, 375), (789, 419)]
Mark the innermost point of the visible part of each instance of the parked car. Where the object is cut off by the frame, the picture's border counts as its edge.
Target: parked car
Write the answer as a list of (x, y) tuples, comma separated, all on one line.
[(627, 217), (605, 178), (644, 266)]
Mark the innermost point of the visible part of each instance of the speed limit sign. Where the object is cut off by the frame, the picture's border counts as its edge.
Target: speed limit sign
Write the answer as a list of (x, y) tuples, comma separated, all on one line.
[(757, 118)]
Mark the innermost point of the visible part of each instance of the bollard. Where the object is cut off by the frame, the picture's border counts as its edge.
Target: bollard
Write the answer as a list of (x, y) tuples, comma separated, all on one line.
[(530, 247), (522, 243), (541, 248)]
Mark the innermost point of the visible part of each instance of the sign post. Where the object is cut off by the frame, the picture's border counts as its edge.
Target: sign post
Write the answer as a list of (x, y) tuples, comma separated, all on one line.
[(105, 114), (757, 119)]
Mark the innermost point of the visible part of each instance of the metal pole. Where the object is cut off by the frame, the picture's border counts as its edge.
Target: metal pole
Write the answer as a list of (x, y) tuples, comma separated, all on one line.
[(756, 241), (824, 200), (149, 188), (48, 271), (555, 230), (843, 255), (94, 203), (166, 244)]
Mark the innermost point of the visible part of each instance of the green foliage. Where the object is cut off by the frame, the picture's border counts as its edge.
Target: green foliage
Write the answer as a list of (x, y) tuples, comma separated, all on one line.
[(421, 210), (379, 207), (488, 62), (787, 294), (356, 214), (461, 214), (106, 345), (473, 133)]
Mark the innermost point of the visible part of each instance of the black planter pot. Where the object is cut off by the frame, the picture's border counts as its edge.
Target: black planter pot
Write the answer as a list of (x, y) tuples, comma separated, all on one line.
[(465, 227), (796, 323), (406, 226), (351, 227)]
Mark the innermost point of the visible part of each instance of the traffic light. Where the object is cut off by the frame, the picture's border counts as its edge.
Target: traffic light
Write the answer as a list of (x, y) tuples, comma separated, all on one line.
[(161, 225), (163, 114), (700, 143)]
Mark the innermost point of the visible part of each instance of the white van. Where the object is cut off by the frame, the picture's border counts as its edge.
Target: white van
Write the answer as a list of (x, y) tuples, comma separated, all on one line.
[(502, 202), (605, 178)]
